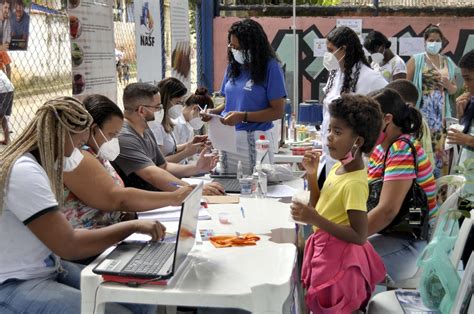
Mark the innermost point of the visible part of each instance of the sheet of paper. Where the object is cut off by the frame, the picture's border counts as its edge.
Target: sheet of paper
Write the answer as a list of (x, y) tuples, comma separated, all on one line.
[(223, 137), (280, 190), (222, 199), (196, 181), (172, 215), (409, 46), (354, 24), (319, 47), (394, 46)]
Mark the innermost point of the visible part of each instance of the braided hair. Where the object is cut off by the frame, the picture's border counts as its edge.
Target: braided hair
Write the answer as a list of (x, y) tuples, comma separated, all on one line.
[(354, 56), (254, 41), (45, 134)]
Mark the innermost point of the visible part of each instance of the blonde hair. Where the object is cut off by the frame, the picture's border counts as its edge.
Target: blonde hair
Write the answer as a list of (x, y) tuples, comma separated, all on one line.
[(46, 133)]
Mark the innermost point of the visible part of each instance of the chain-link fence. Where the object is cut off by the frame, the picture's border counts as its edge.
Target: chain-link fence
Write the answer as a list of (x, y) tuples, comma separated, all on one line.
[(44, 70)]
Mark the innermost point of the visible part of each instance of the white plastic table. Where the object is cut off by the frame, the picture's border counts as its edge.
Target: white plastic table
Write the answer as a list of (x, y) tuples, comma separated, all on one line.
[(259, 279)]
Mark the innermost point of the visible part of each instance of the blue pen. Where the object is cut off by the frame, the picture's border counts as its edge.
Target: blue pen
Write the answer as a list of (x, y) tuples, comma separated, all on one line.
[(175, 184), (305, 184), (243, 212)]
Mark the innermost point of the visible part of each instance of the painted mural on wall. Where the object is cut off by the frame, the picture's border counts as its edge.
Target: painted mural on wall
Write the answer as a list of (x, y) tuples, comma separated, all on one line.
[(312, 75)]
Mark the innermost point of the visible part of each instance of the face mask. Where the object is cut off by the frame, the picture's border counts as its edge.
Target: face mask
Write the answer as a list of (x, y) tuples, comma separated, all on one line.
[(349, 156), (330, 61), (70, 163), (175, 111), (238, 55), (196, 123), (382, 136), (109, 150), (433, 48), (377, 58), (159, 116)]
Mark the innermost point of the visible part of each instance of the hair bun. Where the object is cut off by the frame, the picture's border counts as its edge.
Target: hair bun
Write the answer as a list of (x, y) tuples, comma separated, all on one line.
[(388, 44), (202, 91)]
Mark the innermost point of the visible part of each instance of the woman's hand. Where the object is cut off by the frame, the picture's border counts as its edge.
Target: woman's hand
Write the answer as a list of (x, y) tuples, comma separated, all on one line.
[(192, 148), (311, 161), (304, 213), (151, 227), (199, 139), (233, 118), (459, 138), (206, 162), (204, 115)]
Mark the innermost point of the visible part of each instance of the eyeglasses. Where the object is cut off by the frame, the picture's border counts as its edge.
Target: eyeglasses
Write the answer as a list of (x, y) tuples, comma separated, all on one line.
[(155, 108)]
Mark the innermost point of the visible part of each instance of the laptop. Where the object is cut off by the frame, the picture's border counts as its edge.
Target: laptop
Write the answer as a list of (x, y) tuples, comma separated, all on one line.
[(228, 180), (156, 259)]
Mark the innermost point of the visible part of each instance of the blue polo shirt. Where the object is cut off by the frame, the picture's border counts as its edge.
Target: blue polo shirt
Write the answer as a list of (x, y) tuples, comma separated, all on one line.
[(241, 94)]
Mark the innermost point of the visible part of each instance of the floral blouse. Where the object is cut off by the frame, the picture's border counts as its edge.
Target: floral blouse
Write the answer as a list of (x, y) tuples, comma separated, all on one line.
[(82, 216)]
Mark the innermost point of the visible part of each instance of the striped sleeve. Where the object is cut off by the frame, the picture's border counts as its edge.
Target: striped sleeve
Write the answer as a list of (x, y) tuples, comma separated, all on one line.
[(400, 164)]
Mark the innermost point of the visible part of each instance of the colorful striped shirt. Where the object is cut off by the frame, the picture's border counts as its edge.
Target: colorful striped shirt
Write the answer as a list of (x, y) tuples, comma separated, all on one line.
[(400, 166)]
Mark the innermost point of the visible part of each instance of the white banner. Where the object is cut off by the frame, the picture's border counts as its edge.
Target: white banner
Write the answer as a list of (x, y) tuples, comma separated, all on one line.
[(91, 30), (148, 41), (180, 46)]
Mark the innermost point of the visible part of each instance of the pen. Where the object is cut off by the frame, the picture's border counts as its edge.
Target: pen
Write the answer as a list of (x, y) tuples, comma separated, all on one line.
[(175, 184), (243, 212), (204, 109)]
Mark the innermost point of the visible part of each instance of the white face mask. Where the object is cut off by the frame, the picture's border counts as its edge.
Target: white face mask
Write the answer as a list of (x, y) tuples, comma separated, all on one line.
[(238, 55), (433, 48), (175, 111), (70, 163), (196, 123), (377, 58), (109, 150), (159, 116), (330, 61)]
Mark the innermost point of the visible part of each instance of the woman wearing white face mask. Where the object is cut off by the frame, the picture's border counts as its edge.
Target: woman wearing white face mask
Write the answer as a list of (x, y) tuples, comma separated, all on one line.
[(33, 229), (172, 93), (254, 91), (434, 76), (391, 66), (349, 72), (95, 195)]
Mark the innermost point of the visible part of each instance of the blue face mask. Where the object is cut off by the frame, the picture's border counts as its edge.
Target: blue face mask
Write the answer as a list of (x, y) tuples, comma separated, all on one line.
[(433, 48)]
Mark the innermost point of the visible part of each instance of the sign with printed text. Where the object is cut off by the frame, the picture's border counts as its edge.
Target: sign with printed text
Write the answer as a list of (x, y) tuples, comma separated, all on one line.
[(91, 31), (148, 41), (319, 47), (354, 24), (411, 45)]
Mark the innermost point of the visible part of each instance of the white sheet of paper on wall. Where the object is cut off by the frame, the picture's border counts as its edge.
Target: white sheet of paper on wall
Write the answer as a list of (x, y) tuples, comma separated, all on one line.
[(319, 47), (411, 45)]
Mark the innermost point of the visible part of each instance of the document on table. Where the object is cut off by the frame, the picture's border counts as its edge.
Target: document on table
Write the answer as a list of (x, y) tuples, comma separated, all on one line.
[(280, 190), (170, 213), (222, 136)]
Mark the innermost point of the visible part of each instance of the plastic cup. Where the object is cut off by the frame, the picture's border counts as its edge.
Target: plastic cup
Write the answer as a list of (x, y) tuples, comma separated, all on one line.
[(301, 197), (224, 218), (246, 186)]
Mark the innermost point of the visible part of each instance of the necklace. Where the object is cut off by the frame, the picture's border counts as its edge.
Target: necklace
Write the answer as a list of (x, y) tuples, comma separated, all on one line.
[(433, 64)]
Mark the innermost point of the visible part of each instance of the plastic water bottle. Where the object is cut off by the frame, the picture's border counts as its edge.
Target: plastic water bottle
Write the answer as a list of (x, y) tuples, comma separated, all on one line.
[(262, 145), (240, 172), (259, 184)]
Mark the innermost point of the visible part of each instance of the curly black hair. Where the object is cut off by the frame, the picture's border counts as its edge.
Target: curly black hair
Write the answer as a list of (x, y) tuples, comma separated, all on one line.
[(362, 114), (467, 61), (374, 40), (406, 117), (354, 55), (254, 42)]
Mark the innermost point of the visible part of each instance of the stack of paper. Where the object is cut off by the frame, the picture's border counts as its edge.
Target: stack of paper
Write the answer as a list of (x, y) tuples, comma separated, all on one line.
[(280, 190), (170, 213)]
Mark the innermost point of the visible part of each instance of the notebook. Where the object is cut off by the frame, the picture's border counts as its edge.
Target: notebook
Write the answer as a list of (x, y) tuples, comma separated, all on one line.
[(160, 260)]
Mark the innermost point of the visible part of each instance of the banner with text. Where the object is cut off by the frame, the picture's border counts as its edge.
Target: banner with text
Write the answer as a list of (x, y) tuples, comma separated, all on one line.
[(180, 46), (148, 41), (92, 48)]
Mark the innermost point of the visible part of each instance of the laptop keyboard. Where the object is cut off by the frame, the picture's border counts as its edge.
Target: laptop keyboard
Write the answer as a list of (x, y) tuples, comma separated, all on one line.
[(151, 258), (230, 185)]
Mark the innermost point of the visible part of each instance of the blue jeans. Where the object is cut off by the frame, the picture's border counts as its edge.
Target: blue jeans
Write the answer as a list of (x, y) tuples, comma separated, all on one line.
[(57, 293), (399, 254)]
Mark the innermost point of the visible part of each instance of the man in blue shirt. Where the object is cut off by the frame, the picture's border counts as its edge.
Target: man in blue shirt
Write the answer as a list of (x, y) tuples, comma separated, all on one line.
[(20, 24)]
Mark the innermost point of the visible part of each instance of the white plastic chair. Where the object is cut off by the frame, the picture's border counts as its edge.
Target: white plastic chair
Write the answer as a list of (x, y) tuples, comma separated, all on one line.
[(455, 184), (387, 302)]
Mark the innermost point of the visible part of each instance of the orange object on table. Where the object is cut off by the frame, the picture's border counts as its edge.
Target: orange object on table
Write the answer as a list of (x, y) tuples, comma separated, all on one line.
[(245, 239)]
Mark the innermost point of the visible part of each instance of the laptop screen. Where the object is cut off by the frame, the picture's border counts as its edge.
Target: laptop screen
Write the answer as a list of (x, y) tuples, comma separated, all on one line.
[(188, 225)]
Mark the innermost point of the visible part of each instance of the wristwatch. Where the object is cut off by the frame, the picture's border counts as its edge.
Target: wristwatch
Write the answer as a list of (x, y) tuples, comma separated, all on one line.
[(245, 117)]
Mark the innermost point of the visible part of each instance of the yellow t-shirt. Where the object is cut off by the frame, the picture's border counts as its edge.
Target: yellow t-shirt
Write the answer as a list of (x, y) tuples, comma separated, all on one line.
[(340, 193)]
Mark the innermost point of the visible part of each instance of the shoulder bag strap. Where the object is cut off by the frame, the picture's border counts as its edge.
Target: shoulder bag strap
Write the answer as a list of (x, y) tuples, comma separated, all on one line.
[(413, 150)]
